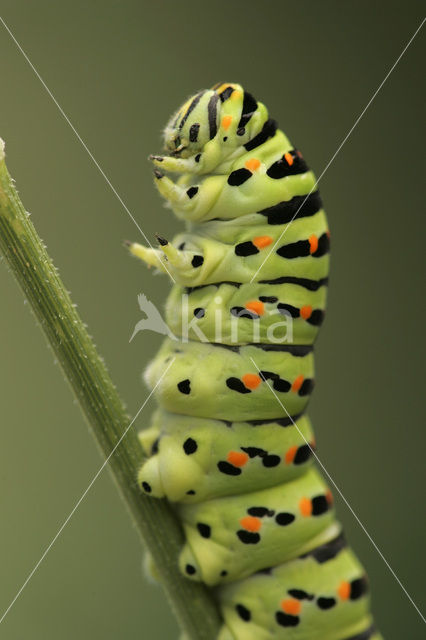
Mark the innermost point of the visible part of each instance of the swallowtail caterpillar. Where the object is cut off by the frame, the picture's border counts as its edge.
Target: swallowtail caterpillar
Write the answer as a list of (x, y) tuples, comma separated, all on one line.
[(231, 444)]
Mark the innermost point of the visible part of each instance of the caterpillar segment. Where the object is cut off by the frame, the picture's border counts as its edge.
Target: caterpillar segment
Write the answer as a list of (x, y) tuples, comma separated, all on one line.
[(231, 445)]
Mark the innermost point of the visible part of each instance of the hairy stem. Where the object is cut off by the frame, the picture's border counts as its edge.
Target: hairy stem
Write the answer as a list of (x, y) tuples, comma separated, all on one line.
[(102, 406)]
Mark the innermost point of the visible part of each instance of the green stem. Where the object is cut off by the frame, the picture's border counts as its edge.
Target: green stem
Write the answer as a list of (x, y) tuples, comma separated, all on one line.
[(102, 406)]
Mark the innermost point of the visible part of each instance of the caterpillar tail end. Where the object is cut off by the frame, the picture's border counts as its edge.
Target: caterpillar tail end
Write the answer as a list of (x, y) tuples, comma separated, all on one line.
[(149, 478), (149, 569), (188, 565)]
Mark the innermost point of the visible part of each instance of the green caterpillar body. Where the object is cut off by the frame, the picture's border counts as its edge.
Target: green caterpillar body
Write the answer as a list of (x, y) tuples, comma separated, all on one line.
[(231, 444)]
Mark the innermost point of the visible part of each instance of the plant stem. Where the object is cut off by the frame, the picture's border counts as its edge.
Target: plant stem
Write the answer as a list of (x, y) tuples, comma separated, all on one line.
[(102, 406)]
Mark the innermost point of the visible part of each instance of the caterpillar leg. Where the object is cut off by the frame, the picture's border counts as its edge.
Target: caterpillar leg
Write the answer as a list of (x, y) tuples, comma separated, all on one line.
[(148, 438), (151, 257), (175, 165), (181, 264)]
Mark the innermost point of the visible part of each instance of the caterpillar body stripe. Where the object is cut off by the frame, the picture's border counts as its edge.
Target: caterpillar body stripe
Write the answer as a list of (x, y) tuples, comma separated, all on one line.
[(231, 444)]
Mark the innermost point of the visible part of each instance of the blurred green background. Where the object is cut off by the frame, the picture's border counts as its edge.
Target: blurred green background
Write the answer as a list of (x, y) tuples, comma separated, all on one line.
[(119, 69)]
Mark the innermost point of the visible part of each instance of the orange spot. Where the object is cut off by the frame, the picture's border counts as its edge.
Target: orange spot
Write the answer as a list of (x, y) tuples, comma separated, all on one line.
[(250, 523), (251, 380), (291, 606), (297, 383), (237, 458), (262, 241), (290, 455), (329, 497), (256, 306), (344, 590), (328, 234), (305, 506), (306, 311), (313, 241), (289, 158), (235, 95), (226, 122), (299, 154), (252, 164)]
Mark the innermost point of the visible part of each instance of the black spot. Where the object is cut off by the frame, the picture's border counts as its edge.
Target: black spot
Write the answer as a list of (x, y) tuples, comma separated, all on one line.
[(190, 570), (326, 603), (323, 246), (191, 192), (229, 469), (158, 174), (204, 529), (260, 512), (359, 587), (249, 107), (226, 93), (299, 249), (246, 249), (181, 247), (268, 130), (223, 573), (154, 448), (288, 309), (225, 138), (199, 312), (281, 168), (239, 176), (184, 386), (146, 487), (319, 505), (270, 299), (281, 385), (197, 157), (316, 318), (193, 132), (237, 385), (303, 454), (197, 261), (243, 612), (299, 594), (248, 537), (190, 446), (268, 375), (299, 206), (191, 492), (252, 452), (284, 518), (307, 387), (242, 312), (271, 460), (285, 620)]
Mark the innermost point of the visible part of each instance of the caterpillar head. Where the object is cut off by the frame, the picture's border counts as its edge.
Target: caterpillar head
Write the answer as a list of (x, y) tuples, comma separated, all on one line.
[(225, 116)]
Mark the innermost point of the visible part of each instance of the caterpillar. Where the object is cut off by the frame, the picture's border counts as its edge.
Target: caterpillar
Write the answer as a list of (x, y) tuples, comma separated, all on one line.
[(230, 444)]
